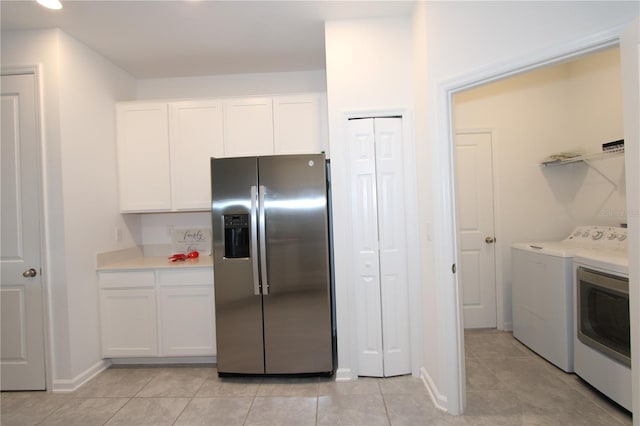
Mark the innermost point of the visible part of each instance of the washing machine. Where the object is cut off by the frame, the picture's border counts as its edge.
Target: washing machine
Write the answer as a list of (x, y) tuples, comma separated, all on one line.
[(542, 293), (602, 334)]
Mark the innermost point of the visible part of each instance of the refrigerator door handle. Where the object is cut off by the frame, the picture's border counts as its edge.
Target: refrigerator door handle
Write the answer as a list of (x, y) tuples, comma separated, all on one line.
[(254, 240), (263, 240)]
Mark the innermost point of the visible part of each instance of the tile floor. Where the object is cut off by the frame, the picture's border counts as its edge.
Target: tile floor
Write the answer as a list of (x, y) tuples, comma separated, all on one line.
[(506, 385)]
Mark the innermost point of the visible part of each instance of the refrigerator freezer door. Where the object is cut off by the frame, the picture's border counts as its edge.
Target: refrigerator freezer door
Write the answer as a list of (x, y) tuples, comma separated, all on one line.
[(238, 308), (297, 309)]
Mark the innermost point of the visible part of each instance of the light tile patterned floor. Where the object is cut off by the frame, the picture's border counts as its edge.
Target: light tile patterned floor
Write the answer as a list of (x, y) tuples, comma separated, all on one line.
[(506, 385)]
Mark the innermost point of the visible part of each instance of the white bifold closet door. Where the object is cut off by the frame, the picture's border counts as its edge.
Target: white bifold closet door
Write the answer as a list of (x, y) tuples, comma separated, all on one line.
[(379, 246)]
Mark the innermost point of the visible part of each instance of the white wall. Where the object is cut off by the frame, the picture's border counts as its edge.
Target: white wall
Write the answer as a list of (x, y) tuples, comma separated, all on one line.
[(430, 362), (232, 85), (468, 42), (79, 89), (369, 69), (574, 106), (630, 64), (157, 227), (89, 88)]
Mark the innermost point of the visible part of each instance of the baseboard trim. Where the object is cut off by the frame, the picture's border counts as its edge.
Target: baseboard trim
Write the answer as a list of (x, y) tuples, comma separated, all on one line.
[(70, 385), (439, 400), (181, 360), (343, 374)]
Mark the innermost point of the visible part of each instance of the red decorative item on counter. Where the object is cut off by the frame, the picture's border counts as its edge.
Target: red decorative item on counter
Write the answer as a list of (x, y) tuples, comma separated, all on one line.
[(182, 256)]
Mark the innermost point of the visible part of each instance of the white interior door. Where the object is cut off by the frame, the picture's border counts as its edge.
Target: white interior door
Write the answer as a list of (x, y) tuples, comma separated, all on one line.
[(379, 241), (474, 196), (22, 339)]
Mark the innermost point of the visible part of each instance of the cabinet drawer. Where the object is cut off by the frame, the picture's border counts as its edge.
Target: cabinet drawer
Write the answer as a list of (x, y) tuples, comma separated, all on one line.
[(126, 279), (199, 276)]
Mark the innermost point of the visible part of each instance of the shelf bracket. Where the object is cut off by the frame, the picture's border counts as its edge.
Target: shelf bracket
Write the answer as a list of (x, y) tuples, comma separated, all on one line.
[(595, 169)]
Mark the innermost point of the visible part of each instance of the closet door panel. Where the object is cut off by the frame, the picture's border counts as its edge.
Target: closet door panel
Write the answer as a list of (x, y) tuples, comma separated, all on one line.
[(365, 246), (393, 242), (379, 246)]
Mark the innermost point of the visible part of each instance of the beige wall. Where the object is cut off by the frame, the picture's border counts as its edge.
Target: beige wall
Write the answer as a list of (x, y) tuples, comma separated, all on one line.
[(575, 106)]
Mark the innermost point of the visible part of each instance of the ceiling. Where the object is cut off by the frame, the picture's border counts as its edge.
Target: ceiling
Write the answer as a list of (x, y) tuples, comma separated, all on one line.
[(161, 39)]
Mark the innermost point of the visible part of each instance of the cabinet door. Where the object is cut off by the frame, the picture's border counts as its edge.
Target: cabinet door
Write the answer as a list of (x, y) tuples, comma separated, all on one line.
[(128, 322), (187, 321), (196, 136), (143, 157), (248, 126), (296, 124)]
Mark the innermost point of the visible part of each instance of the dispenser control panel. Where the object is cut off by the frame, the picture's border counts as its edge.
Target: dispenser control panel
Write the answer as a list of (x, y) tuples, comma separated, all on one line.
[(236, 236)]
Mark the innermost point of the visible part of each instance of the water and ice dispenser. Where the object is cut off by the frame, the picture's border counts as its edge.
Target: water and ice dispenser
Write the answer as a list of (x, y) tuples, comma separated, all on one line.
[(236, 236)]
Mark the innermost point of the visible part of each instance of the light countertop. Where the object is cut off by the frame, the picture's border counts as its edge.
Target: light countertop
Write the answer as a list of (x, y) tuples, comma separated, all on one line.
[(157, 262)]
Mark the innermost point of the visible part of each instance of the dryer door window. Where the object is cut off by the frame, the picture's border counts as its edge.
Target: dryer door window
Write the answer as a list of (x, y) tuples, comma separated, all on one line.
[(603, 314)]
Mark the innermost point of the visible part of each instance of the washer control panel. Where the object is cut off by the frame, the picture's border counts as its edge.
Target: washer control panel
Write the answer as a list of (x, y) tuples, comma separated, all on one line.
[(604, 237)]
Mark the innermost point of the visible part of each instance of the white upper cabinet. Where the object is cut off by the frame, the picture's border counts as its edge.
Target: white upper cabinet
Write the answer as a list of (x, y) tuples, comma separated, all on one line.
[(164, 147), (163, 154), (296, 124), (196, 130), (143, 157), (248, 124)]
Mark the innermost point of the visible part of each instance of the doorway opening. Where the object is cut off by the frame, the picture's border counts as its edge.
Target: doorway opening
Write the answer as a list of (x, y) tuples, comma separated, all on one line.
[(572, 107), (565, 107)]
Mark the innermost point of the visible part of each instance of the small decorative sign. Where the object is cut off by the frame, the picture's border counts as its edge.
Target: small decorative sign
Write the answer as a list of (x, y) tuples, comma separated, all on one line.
[(186, 240)]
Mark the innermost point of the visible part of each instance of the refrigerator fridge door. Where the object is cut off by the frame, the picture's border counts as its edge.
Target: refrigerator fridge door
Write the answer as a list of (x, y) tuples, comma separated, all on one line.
[(237, 293), (297, 307)]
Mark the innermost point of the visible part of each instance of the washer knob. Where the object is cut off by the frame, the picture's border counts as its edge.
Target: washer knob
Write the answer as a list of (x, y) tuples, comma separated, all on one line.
[(597, 235)]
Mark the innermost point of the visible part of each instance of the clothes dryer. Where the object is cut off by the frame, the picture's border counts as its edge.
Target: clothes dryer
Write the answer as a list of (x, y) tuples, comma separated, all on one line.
[(542, 293), (602, 335)]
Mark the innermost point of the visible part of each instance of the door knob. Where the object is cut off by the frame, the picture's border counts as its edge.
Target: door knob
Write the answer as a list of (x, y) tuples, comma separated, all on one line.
[(30, 273), (489, 240)]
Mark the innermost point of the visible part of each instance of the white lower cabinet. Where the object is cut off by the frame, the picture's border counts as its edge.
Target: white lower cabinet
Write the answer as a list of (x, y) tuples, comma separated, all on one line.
[(185, 326), (128, 322), (186, 323), (171, 316)]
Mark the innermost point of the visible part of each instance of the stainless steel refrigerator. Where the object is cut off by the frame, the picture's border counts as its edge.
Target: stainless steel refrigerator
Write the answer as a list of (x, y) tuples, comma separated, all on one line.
[(271, 265)]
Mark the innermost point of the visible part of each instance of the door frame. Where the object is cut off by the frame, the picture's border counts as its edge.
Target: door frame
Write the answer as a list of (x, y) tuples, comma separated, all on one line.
[(497, 230), (445, 155), (37, 72), (346, 326)]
